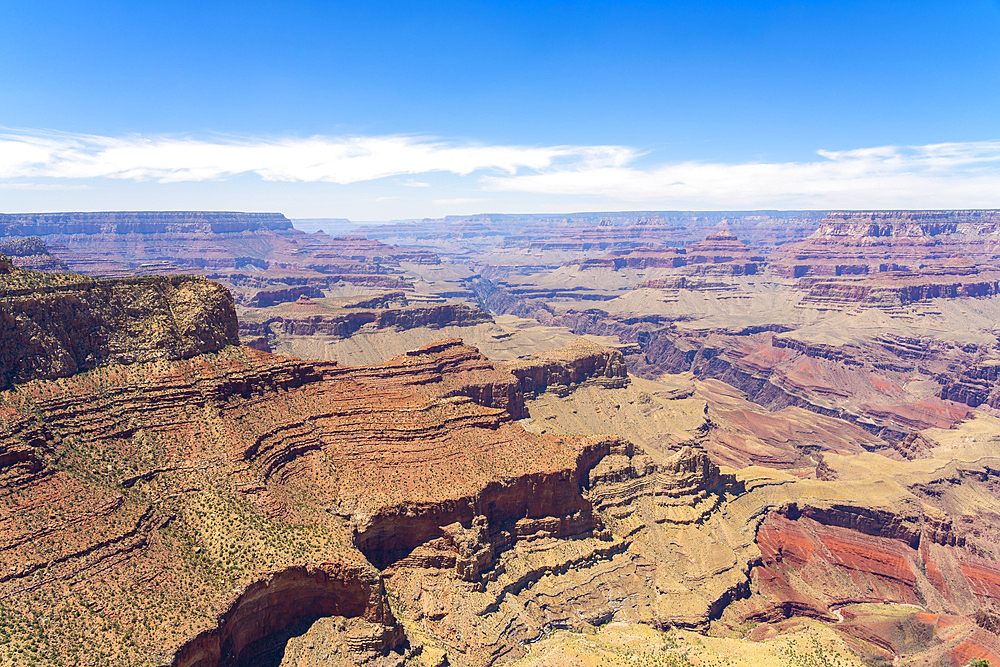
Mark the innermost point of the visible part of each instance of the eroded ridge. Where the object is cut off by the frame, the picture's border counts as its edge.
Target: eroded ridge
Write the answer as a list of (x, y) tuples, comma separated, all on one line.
[(183, 511)]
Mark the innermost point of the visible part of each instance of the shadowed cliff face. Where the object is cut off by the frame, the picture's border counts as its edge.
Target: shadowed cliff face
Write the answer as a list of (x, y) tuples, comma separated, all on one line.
[(285, 599), (55, 327), (343, 325)]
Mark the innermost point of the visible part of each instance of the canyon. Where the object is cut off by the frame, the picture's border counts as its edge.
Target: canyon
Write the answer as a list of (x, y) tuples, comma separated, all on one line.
[(476, 441)]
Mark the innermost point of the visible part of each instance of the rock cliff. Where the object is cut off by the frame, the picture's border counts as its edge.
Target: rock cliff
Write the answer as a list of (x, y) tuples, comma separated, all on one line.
[(870, 242), (31, 253), (127, 243), (255, 490), (434, 316), (55, 327), (197, 507), (722, 253)]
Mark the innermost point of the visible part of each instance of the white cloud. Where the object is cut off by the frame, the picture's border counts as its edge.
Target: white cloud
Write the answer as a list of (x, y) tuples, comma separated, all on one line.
[(340, 160), (16, 185), (954, 174), (937, 175)]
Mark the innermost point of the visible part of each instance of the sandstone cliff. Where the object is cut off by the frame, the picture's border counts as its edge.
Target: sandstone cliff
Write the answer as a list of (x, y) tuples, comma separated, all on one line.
[(200, 505), (196, 508), (351, 321), (871, 242), (55, 327)]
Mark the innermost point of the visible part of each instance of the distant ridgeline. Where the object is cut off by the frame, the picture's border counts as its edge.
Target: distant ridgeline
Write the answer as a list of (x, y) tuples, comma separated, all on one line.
[(127, 243), (139, 222)]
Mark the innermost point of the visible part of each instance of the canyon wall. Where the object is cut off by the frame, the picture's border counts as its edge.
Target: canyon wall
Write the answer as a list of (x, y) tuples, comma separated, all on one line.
[(54, 329)]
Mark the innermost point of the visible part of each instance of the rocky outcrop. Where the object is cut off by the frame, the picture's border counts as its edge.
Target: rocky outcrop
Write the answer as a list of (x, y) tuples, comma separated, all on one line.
[(685, 488), (560, 370), (449, 368), (859, 382), (289, 597), (508, 565), (975, 383), (265, 298), (23, 247), (639, 258), (722, 254), (209, 504), (354, 319), (50, 330), (476, 529), (929, 549), (385, 300), (315, 281), (179, 482), (899, 291), (31, 253), (684, 282)]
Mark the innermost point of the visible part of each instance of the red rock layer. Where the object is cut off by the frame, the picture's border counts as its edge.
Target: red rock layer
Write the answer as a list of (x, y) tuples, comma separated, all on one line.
[(873, 242), (639, 258), (201, 504), (722, 253), (863, 383)]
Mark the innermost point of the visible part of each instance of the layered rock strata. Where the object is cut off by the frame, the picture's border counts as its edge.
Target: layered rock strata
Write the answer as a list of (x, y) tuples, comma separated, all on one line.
[(55, 327), (722, 253), (350, 322), (886, 383), (127, 243), (267, 483), (164, 508), (865, 243)]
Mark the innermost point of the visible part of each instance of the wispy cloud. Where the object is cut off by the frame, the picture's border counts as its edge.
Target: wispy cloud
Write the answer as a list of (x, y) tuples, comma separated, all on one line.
[(411, 183), (952, 174), (331, 159), (16, 185), (937, 175)]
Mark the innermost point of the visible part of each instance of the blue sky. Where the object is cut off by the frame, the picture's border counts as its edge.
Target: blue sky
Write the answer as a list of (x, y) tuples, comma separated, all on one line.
[(322, 109)]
